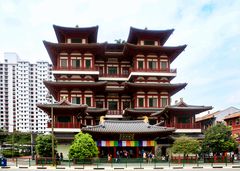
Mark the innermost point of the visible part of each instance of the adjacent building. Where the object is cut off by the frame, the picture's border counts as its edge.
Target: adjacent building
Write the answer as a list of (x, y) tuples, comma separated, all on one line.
[(119, 93), (216, 117), (21, 88)]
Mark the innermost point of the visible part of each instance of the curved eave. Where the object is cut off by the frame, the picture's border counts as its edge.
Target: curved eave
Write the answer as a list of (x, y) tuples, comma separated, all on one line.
[(171, 52), (183, 110), (63, 109), (161, 35), (63, 32), (149, 131), (170, 88), (54, 49), (55, 87), (138, 113)]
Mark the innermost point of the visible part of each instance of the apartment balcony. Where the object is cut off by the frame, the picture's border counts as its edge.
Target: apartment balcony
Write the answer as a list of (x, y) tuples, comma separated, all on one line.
[(65, 125), (185, 125)]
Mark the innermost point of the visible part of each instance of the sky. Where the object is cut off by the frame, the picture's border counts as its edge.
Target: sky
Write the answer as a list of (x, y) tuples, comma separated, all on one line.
[(210, 64)]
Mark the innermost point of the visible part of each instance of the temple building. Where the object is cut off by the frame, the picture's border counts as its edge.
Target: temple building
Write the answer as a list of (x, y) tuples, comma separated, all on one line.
[(119, 93)]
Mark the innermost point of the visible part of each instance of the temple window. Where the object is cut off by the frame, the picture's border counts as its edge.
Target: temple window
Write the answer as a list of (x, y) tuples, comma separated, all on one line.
[(112, 70), (125, 70), (112, 105), (164, 101), (76, 40), (152, 102), (76, 62), (64, 119), (140, 101), (163, 65), (88, 101), (99, 104), (140, 64), (183, 119), (63, 62), (230, 122), (237, 121), (152, 64), (88, 63), (76, 99), (149, 42)]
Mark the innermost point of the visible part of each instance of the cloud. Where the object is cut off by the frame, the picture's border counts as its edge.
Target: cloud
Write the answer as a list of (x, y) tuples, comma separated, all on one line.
[(210, 29)]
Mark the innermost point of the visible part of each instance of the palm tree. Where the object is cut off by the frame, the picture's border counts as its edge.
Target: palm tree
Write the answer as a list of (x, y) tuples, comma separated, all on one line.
[(119, 41)]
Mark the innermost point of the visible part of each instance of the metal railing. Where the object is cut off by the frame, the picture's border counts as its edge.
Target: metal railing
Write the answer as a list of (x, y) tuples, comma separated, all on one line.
[(124, 163)]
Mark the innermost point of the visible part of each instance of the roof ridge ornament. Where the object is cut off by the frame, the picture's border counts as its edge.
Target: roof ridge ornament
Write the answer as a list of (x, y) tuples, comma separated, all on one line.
[(102, 120), (145, 119)]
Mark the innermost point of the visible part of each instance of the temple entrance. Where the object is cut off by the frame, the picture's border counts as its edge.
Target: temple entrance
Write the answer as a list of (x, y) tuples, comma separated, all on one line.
[(125, 152)]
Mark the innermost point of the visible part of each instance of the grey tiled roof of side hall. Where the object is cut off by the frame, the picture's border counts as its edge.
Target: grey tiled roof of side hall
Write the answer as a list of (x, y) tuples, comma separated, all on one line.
[(123, 126)]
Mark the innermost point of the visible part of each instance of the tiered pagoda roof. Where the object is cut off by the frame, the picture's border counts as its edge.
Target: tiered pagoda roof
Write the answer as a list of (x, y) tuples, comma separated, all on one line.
[(54, 49), (54, 87), (171, 52), (161, 35), (64, 32), (171, 88)]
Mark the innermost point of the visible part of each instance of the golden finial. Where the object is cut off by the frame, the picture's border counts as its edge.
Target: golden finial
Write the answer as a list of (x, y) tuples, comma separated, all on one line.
[(101, 119), (145, 119)]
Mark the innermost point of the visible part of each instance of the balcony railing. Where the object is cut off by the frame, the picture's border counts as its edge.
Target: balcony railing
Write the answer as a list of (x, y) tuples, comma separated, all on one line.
[(185, 125), (115, 112), (168, 70), (70, 68), (65, 125), (114, 75)]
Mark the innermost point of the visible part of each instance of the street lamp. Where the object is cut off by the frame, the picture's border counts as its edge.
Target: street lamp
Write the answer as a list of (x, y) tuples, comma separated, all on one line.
[(52, 129), (52, 123)]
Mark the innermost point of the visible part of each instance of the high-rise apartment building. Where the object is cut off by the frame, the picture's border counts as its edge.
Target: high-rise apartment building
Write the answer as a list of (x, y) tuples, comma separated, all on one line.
[(21, 88)]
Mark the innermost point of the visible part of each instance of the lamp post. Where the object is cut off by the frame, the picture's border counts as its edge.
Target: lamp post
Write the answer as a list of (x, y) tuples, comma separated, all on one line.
[(52, 126), (52, 129)]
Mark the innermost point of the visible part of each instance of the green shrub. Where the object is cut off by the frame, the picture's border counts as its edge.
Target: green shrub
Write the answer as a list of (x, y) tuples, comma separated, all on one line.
[(10, 153)]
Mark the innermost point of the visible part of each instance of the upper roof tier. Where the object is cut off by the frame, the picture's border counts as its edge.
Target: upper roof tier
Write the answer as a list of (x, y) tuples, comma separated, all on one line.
[(137, 34), (171, 52), (55, 48), (64, 33)]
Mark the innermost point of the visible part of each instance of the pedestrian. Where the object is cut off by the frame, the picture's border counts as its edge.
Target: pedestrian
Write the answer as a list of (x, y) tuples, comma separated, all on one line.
[(61, 156)]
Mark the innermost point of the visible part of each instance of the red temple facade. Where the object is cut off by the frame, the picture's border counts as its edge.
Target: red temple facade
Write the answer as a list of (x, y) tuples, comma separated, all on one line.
[(129, 84), (233, 120)]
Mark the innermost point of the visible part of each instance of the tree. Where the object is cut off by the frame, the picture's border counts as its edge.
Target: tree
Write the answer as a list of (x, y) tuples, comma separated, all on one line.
[(44, 145), (83, 147), (120, 41), (186, 145), (3, 136), (218, 139)]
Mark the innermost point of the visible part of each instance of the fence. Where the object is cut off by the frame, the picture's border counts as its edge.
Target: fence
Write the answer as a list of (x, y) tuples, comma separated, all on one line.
[(123, 163)]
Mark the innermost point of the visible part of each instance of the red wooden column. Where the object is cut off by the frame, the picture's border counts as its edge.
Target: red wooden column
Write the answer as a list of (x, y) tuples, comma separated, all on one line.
[(69, 62), (137, 152), (114, 152)]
